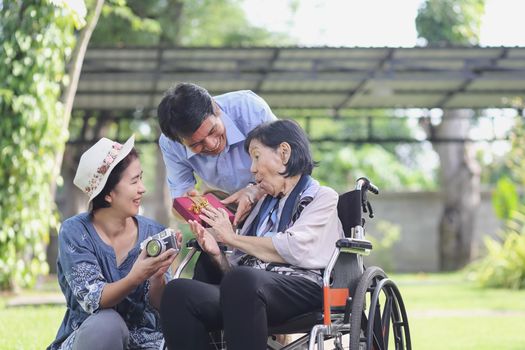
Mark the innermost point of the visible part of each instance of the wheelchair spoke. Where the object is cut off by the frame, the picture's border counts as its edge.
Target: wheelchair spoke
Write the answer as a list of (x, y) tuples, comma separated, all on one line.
[(378, 309), (387, 314), (375, 327)]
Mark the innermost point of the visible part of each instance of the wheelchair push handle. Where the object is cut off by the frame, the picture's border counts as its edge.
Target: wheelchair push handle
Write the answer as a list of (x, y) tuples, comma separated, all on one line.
[(364, 184)]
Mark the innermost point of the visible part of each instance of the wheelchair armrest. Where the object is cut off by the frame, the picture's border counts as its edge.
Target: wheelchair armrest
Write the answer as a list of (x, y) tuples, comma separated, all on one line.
[(193, 244), (353, 245), (185, 261), (193, 247)]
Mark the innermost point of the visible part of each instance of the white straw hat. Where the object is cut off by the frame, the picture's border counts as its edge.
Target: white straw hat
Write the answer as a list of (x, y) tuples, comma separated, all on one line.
[(97, 163)]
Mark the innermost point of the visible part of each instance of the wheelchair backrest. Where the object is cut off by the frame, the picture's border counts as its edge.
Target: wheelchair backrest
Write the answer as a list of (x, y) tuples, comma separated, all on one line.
[(349, 210)]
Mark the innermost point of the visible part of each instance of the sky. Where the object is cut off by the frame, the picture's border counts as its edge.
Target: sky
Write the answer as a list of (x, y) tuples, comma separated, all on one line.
[(368, 23)]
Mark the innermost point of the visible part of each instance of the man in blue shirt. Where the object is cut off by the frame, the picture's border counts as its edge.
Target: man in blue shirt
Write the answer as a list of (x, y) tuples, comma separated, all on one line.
[(205, 136)]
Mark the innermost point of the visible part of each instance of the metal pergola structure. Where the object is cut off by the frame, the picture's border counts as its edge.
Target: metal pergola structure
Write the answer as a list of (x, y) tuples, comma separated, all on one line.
[(126, 82)]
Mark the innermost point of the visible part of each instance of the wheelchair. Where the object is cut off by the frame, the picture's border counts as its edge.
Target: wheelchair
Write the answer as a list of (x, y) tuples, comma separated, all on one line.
[(362, 307)]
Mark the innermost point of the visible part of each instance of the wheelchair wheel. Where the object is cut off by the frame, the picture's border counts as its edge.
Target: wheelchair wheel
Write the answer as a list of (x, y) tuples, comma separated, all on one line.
[(377, 312)]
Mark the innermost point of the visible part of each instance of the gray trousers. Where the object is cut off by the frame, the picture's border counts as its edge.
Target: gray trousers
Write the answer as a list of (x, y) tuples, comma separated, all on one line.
[(104, 330)]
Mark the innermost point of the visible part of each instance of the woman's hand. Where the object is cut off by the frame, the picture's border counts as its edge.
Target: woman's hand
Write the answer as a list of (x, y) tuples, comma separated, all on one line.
[(218, 220), (162, 271), (152, 267), (157, 280), (205, 239)]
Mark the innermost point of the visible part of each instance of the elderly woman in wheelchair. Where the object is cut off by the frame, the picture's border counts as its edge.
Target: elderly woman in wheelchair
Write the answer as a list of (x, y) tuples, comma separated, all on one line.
[(276, 269)]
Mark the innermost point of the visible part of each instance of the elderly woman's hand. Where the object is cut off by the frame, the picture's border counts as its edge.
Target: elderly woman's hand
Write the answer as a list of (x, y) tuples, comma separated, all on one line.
[(245, 199), (206, 241), (218, 220)]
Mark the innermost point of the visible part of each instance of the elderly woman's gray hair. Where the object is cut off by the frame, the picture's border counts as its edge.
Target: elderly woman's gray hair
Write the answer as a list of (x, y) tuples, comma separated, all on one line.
[(272, 134)]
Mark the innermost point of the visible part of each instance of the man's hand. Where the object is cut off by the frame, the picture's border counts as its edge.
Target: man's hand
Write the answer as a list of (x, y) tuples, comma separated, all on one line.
[(192, 193), (245, 199), (189, 193)]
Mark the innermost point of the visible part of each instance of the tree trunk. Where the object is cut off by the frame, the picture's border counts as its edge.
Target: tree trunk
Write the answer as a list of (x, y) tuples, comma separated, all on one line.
[(70, 200), (68, 98), (75, 67), (460, 184), (159, 206), (161, 203)]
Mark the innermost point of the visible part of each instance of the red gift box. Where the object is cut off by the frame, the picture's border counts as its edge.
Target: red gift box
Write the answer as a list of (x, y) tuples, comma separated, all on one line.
[(190, 207)]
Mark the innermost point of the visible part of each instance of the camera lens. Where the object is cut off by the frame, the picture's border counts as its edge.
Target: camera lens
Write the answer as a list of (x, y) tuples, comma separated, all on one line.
[(154, 247)]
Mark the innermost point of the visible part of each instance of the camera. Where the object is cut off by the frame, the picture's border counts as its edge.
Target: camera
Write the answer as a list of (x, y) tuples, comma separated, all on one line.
[(159, 243)]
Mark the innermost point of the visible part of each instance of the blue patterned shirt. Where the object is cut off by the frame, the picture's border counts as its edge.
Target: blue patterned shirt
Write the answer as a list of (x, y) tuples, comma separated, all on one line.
[(85, 265), (228, 171)]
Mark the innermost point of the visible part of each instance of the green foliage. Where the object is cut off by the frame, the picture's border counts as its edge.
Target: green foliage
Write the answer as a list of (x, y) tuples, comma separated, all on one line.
[(383, 239), (222, 23), (340, 167), (505, 198), (119, 24), (445, 22), (504, 265), (180, 22), (391, 166), (516, 156), (36, 39)]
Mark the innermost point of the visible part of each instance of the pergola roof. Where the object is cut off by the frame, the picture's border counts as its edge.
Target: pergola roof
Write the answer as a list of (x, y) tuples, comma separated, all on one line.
[(333, 78)]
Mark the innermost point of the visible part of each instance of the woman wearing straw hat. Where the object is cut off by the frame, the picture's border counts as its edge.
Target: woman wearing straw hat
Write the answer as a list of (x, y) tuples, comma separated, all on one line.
[(112, 288)]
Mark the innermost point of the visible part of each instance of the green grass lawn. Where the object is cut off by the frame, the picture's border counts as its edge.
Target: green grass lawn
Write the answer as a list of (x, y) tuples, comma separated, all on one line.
[(28, 328), (444, 311)]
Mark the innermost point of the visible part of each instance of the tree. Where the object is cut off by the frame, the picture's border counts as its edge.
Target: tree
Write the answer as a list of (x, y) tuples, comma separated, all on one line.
[(161, 22), (453, 22), (152, 23), (504, 264), (181, 23), (344, 156), (37, 40)]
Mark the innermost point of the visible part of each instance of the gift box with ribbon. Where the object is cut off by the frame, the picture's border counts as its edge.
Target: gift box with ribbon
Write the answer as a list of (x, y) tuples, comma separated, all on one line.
[(190, 207)]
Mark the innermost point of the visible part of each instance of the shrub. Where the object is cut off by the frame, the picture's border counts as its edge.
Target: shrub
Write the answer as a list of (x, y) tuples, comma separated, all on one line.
[(504, 265)]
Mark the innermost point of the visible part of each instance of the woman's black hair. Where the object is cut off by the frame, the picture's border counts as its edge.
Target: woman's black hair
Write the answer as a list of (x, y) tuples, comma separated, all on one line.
[(272, 134), (115, 176)]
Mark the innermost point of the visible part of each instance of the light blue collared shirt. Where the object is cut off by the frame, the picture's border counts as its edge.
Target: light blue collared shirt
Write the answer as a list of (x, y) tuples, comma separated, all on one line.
[(228, 171)]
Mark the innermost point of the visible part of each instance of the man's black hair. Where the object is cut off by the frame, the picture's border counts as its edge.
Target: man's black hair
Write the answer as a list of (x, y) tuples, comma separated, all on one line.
[(272, 134), (183, 109)]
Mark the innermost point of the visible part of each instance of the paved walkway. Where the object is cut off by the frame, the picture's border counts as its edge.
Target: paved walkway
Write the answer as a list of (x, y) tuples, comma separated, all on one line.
[(40, 299), (462, 313), (58, 299)]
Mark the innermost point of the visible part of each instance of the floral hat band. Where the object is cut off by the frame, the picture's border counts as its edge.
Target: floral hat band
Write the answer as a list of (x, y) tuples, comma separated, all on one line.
[(97, 163), (102, 170)]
